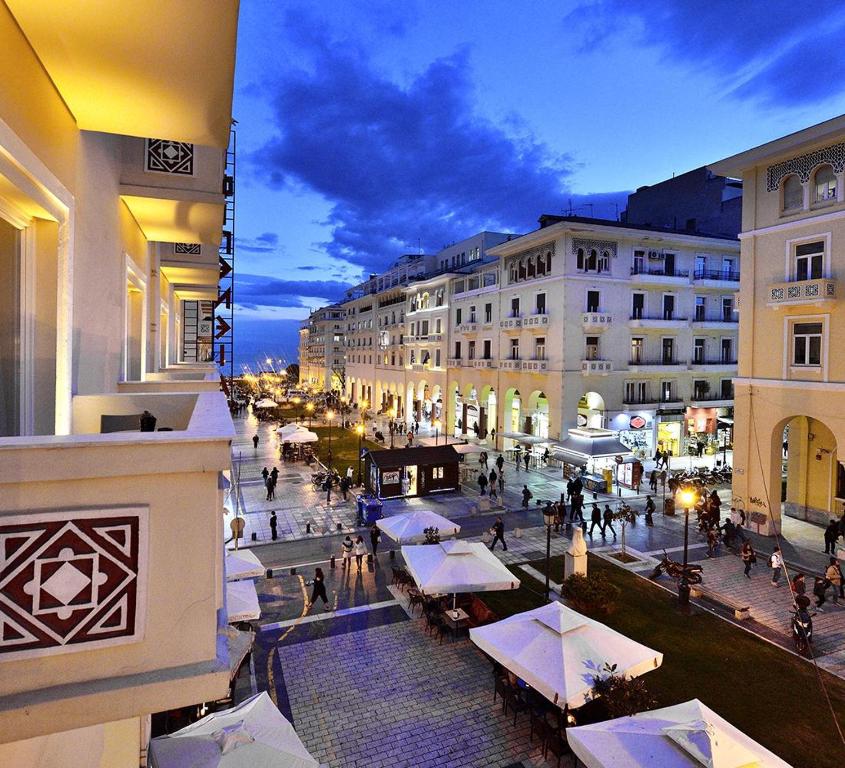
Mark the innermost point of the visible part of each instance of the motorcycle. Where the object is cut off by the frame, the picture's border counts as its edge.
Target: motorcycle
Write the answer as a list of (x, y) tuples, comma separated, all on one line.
[(802, 626), (675, 570)]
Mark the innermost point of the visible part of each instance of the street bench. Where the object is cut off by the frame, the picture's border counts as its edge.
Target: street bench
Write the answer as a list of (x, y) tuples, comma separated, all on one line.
[(741, 610)]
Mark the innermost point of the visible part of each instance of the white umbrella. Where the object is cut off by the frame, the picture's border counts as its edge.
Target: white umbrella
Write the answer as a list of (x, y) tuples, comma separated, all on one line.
[(688, 735), (288, 429), (457, 566), (558, 651), (266, 402), (253, 734), (410, 526), (300, 435), (241, 602), (243, 564)]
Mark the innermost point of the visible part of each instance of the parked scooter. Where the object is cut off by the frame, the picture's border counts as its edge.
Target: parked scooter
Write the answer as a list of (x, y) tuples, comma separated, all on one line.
[(802, 625), (675, 570)]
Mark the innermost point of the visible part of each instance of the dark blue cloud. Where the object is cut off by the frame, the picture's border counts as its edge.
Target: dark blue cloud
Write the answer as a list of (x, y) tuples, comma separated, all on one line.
[(268, 242), (774, 51), (259, 290), (401, 164)]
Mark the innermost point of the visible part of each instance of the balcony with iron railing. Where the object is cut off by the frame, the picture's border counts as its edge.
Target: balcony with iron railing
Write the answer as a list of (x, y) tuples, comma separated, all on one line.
[(656, 364), (715, 363), (717, 275), (672, 400), (657, 320), (702, 319), (661, 274)]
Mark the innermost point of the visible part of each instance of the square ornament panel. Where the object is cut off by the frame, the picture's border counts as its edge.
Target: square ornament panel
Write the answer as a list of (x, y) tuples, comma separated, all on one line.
[(162, 156), (72, 580)]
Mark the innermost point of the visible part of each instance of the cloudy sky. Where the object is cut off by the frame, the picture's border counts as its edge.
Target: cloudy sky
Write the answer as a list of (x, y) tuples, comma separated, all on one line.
[(372, 128)]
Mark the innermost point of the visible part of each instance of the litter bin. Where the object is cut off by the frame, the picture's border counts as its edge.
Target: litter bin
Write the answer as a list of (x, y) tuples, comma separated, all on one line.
[(669, 507), (369, 509)]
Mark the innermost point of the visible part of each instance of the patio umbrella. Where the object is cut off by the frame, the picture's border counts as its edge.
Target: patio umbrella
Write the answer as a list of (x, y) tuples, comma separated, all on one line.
[(266, 402), (253, 734), (410, 526), (288, 429), (457, 566), (300, 435), (243, 564), (688, 735), (558, 651), (241, 602)]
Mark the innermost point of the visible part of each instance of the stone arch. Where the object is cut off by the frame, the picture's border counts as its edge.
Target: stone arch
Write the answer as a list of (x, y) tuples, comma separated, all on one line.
[(536, 419), (823, 183), (591, 410), (512, 411)]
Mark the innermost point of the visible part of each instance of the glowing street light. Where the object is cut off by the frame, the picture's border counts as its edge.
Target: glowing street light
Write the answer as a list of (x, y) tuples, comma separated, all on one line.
[(688, 498), (310, 408), (437, 425), (359, 430), (330, 417)]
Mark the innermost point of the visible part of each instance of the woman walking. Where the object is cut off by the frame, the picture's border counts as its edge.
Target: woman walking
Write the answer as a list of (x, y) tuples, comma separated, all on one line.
[(748, 557), (319, 589), (346, 548), (360, 551)]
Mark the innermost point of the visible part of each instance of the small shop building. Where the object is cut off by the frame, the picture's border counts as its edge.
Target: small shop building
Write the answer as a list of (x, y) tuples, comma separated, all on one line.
[(599, 458), (406, 472)]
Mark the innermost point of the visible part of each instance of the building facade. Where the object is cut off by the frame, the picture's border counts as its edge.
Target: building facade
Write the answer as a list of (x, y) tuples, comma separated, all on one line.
[(790, 392), (112, 195), (322, 366)]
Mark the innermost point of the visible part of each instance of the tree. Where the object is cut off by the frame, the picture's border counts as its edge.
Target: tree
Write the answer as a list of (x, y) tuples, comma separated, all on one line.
[(622, 696), (292, 372), (624, 515), (593, 594)]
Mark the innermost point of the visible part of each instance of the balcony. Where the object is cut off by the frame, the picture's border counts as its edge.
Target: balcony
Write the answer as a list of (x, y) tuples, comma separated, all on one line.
[(645, 401), (538, 321), (715, 365), (510, 364), (596, 321), (535, 366), (661, 321), (467, 328), (484, 362), (801, 292), (176, 379), (596, 367), (511, 323), (656, 364), (453, 362), (659, 276), (711, 400), (715, 278), (715, 321)]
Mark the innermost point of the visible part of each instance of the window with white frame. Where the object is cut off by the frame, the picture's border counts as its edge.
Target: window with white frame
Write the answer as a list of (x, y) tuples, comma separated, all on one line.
[(807, 344), (514, 349), (824, 184), (591, 348), (540, 348), (808, 261), (792, 193)]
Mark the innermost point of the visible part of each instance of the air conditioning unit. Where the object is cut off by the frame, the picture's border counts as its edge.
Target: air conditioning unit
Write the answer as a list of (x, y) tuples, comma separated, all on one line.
[(656, 255)]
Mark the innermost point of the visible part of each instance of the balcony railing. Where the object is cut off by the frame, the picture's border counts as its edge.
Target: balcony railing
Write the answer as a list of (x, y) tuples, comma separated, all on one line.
[(646, 361), (484, 362), (647, 400), (453, 362), (730, 275), (659, 272), (511, 322), (713, 361), (538, 319), (510, 364), (535, 365), (663, 317), (802, 292), (711, 397), (589, 367), (596, 319), (467, 328), (715, 317)]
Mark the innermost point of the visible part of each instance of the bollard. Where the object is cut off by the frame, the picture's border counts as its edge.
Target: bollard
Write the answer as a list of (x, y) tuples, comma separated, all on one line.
[(332, 563), (340, 526), (370, 558), (293, 571), (269, 573), (254, 536), (392, 554), (307, 527)]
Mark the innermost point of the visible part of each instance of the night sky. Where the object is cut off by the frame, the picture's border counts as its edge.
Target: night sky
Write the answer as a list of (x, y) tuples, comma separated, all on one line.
[(371, 129)]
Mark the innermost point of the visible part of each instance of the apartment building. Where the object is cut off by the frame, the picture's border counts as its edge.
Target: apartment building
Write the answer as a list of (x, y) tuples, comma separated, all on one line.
[(790, 392), (586, 322), (323, 365), (113, 139)]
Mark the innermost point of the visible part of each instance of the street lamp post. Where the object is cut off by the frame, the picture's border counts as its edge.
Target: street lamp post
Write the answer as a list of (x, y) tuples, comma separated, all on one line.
[(329, 417), (296, 402), (688, 498), (359, 430), (392, 426), (310, 408), (437, 426), (548, 519)]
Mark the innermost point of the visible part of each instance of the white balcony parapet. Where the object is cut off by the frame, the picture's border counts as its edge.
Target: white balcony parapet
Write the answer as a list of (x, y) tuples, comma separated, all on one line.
[(535, 365), (510, 364), (596, 367), (538, 320), (453, 362), (510, 323), (802, 292), (484, 363), (596, 320)]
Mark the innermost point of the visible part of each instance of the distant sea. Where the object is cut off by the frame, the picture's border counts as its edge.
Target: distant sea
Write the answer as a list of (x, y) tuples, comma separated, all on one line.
[(256, 340)]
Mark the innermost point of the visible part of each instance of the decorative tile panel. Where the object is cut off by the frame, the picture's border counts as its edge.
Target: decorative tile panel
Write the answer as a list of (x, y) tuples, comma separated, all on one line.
[(802, 292), (176, 157), (803, 165), (599, 245), (193, 249), (72, 580)]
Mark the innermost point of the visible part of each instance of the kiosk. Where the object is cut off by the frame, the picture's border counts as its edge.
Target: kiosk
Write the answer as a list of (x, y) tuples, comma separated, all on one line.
[(406, 472)]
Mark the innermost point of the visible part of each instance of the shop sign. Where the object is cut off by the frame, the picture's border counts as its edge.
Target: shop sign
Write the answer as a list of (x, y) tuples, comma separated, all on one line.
[(390, 478), (637, 422), (581, 420)]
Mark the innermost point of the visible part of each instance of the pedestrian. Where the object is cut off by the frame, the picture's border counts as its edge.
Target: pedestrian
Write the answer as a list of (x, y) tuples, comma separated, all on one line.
[(360, 551), (517, 457), (652, 481), (500, 462), (819, 587), (493, 477), (271, 489), (493, 495), (833, 575), (344, 486), (658, 458), (501, 481), (608, 520), (526, 458), (577, 486), (663, 479), (327, 487), (482, 482), (319, 589), (346, 549), (526, 496), (499, 534), (375, 538), (484, 459), (274, 534), (748, 557), (349, 474), (712, 541), (569, 488), (776, 564), (699, 446), (576, 508), (595, 520), (831, 534), (728, 532), (649, 510), (666, 455), (798, 585), (274, 473), (265, 473), (493, 438), (255, 442)]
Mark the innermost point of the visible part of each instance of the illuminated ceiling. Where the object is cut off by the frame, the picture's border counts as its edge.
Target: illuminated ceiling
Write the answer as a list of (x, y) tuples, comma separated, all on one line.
[(149, 68), (176, 221)]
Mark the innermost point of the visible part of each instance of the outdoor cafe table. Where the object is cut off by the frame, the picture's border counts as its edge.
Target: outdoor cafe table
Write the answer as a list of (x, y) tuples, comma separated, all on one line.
[(455, 616)]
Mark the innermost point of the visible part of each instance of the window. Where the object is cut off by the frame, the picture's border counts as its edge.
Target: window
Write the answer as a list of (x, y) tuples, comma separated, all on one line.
[(458, 316), (668, 350), (488, 346), (700, 307), (514, 349), (540, 308), (793, 193), (824, 185), (809, 261), (666, 391), (807, 344), (488, 313), (638, 306), (668, 306), (540, 348), (592, 301), (471, 350), (579, 259), (727, 350), (700, 388), (638, 265), (438, 325), (458, 350), (698, 351), (437, 473), (437, 357), (472, 317), (637, 345), (728, 268), (10, 353), (515, 306), (727, 389), (591, 348), (636, 392), (489, 279), (727, 309), (424, 328)]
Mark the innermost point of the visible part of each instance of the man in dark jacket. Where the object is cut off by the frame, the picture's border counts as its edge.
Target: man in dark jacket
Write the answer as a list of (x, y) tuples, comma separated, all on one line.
[(499, 534), (831, 534), (526, 496), (595, 520)]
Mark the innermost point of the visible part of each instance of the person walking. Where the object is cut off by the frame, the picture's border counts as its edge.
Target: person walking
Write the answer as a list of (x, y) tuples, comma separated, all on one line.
[(271, 489), (526, 457), (255, 442), (526, 496), (831, 534), (482, 482), (819, 588), (484, 459), (346, 547), (776, 564), (748, 557), (265, 473), (576, 508), (274, 473), (833, 575), (344, 486), (595, 520), (500, 463), (360, 551), (327, 487), (493, 477), (652, 481), (375, 538), (798, 585), (649, 511), (666, 455), (501, 480), (608, 520), (517, 457), (569, 489), (319, 589), (274, 534), (658, 458), (499, 534)]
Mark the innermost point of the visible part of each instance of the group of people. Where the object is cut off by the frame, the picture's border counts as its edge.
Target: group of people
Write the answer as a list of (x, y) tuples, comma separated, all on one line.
[(492, 481), (661, 459), (831, 579), (270, 479)]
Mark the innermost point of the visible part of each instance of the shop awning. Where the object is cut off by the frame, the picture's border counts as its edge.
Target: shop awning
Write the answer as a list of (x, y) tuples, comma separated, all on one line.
[(409, 457), (725, 420), (241, 602), (568, 457), (238, 645), (522, 437), (591, 444)]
